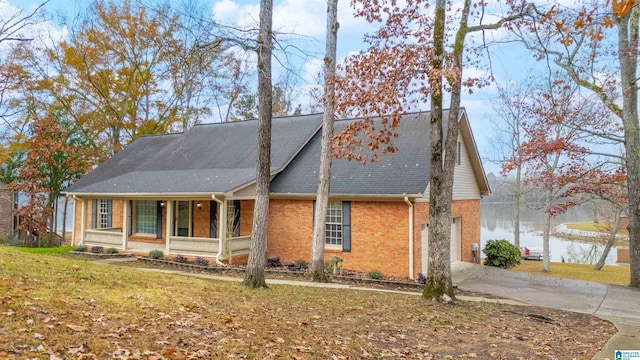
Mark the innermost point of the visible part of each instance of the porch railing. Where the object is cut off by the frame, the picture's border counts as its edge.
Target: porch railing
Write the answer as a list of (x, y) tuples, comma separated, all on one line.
[(239, 245), (109, 237), (193, 245)]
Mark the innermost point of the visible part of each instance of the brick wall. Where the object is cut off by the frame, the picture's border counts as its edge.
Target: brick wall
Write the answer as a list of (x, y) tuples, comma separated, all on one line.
[(467, 210), (6, 212), (379, 231), (378, 235)]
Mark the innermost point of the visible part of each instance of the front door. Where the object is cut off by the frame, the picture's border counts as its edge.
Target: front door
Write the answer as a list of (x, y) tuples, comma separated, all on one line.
[(183, 218)]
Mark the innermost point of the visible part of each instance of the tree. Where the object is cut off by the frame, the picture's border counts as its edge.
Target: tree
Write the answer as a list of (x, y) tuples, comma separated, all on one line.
[(254, 275), (557, 152), (575, 39), (54, 159), (316, 266), (414, 58), (507, 140)]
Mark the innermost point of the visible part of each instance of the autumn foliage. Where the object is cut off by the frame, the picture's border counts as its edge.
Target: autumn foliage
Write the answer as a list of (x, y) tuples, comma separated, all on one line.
[(54, 158)]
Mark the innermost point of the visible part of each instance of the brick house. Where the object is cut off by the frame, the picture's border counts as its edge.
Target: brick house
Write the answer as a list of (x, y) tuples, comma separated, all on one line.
[(6, 211), (204, 181)]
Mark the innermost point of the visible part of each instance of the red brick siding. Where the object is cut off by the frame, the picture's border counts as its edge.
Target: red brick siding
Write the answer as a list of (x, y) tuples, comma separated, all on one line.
[(378, 235)]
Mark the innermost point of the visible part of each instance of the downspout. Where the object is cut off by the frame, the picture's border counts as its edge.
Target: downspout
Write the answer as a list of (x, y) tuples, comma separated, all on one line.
[(220, 244), (410, 204), (73, 234)]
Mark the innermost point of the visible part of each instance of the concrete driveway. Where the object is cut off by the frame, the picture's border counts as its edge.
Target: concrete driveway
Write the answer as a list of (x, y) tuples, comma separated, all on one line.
[(618, 304)]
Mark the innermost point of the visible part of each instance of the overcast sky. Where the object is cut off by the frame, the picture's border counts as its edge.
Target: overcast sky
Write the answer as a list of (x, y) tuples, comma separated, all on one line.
[(307, 18)]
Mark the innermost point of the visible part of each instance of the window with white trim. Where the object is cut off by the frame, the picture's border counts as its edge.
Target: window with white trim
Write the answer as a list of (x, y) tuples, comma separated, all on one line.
[(103, 213), (334, 224), (146, 212)]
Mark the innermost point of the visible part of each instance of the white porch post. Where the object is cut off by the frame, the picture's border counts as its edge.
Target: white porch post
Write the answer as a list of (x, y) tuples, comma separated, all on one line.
[(125, 225), (169, 222), (223, 229), (83, 220)]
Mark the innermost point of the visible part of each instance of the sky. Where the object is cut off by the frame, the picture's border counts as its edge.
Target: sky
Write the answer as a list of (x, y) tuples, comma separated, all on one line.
[(308, 18)]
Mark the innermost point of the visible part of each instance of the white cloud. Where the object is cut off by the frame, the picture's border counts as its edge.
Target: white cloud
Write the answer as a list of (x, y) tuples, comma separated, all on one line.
[(289, 16)]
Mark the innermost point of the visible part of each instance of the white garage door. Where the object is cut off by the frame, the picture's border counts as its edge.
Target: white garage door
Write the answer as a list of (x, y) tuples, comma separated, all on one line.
[(456, 237)]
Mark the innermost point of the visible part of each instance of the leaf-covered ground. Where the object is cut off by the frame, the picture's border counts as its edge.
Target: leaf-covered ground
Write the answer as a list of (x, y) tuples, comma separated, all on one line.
[(55, 307)]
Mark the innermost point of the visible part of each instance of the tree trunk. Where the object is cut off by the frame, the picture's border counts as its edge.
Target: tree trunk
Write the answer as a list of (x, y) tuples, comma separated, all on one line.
[(545, 233), (627, 55), (316, 268), (254, 276), (612, 239), (518, 196), (440, 186)]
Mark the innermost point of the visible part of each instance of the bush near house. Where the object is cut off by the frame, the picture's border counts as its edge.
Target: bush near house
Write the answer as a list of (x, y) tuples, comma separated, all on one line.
[(375, 274), (156, 254), (502, 254)]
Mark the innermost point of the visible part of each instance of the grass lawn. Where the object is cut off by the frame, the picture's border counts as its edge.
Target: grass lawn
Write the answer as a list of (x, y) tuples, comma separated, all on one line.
[(610, 274), (55, 306), (52, 250), (602, 226)]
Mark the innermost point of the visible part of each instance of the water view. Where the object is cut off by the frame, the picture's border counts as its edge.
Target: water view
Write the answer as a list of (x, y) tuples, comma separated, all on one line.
[(497, 223)]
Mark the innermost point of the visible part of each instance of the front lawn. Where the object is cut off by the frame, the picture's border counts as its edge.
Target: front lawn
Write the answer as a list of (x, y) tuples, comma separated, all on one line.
[(48, 250), (59, 307)]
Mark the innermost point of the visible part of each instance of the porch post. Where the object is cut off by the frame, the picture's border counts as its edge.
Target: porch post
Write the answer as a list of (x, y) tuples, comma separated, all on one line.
[(169, 222), (223, 229), (83, 220), (125, 225)]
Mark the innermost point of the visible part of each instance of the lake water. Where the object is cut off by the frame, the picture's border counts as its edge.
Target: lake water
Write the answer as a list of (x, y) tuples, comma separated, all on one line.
[(497, 223)]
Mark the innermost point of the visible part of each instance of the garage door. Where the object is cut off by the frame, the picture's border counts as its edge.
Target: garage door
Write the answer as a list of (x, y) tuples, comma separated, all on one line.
[(456, 237)]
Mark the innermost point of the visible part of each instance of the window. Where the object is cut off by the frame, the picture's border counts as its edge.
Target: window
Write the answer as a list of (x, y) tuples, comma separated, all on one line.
[(334, 224), (103, 214), (459, 160), (233, 218), (146, 217)]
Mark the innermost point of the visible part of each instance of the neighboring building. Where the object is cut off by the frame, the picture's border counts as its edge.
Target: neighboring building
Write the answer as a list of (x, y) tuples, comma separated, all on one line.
[(204, 181), (6, 211)]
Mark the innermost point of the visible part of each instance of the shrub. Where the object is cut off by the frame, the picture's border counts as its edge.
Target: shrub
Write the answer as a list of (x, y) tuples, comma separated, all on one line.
[(274, 262), (302, 264), (180, 259), (422, 279), (111, 251), (156, 254), (501, 253), (375, 274), (201, 261), (97, 249), (80, 248)]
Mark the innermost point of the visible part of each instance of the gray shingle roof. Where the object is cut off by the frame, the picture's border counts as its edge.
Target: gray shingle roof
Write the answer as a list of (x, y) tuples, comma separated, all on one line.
[(404, 172), (211, 158)]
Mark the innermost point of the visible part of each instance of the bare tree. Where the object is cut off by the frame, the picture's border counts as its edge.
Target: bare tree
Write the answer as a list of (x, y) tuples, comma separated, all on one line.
[(316, 268), (254, 275)]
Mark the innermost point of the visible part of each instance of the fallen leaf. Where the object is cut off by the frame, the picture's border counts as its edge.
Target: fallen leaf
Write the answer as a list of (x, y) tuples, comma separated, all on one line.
[(76, 327)]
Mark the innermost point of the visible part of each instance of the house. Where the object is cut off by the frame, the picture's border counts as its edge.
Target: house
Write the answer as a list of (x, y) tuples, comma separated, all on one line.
[(6, 211), (204, 182)]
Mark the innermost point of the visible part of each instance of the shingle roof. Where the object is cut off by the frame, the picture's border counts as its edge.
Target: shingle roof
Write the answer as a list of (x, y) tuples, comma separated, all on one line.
[(404, 172), (210, 158)]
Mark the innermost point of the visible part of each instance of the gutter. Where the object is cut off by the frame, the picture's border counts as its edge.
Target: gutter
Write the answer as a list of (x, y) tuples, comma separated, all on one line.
[(410, 204)]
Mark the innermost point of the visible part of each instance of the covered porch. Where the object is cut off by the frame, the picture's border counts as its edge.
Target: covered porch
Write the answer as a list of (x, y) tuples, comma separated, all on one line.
[(218, 228)]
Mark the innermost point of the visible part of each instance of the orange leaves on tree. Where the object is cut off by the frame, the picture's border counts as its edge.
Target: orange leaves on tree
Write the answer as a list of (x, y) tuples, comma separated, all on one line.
[(621, 7)]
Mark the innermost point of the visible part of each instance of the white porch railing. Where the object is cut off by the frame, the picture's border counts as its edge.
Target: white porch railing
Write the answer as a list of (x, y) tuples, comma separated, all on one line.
[(102, 237), (193, 246), (239, 245)]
